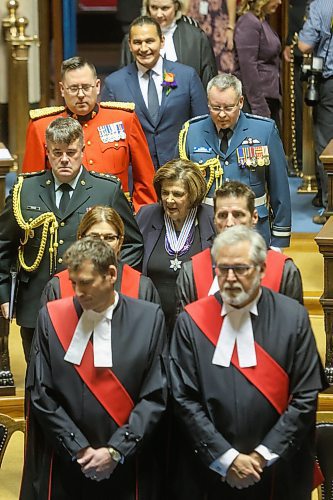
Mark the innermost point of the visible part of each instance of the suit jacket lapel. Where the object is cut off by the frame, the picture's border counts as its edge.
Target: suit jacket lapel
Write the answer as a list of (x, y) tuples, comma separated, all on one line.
[(134, 87), (47, 194), (80, 195), (211, 137), (152, 236)]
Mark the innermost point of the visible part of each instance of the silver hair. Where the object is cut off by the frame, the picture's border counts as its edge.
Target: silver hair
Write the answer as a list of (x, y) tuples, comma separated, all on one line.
[(225, 81), (239, 234)]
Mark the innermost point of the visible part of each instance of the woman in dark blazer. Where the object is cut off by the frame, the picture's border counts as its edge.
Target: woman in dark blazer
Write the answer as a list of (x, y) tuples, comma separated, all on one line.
[(185, 42), (258, 51), (174, 229)]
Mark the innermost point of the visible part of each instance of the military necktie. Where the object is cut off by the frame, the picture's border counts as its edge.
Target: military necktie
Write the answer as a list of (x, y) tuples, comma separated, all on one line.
[(153, 104), (65, 188), (224, 139)]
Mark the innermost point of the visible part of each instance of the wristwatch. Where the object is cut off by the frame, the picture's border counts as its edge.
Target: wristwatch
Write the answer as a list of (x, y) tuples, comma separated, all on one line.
[(115, 455)]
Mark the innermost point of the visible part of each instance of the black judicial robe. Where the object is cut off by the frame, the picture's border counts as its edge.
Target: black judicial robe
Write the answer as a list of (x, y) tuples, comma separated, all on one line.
[(221, 409), (65, 416)]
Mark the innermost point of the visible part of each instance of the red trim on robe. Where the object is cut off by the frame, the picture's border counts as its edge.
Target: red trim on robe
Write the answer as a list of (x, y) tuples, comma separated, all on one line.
[(267, 376), (275, 262), (102, 382)]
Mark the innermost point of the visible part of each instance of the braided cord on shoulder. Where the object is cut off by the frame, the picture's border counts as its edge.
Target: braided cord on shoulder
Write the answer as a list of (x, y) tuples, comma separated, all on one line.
[(213, 164), (50, 225)]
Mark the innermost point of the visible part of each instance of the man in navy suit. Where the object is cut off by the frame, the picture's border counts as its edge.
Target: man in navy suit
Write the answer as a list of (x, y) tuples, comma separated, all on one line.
[(179, 94), (228, 144)]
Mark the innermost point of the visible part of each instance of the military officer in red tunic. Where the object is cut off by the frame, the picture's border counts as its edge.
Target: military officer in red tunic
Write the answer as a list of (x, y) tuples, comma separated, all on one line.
[(113, 135)]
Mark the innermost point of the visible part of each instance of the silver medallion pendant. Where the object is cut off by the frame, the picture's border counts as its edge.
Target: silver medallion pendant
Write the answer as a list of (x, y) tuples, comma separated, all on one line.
[(175, 264)]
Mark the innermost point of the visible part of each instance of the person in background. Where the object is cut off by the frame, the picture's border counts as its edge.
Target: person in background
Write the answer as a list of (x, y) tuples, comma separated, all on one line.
[(245, 375), (95, 388), (127, 10), (104, 223), (234, 204), (258, 50), (165, 93), (228, 144), (184, 41), (217, 18), (316, 37), (113, 136), (40, 220), (174, 229)]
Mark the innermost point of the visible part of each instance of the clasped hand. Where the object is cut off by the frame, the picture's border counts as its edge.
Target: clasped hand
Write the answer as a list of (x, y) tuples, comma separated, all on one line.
[(245, 470), (96, 464)]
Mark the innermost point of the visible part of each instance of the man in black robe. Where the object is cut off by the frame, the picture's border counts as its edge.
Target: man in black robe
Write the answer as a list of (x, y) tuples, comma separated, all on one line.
[(96, 388), (245, 377)]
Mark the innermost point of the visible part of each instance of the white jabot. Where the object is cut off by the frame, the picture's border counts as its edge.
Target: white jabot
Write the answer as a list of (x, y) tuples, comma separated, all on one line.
[(237, 330), (98, 324), (169, 51), (214, 287)]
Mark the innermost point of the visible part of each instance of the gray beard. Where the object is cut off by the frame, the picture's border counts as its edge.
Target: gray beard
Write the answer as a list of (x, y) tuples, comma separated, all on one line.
[(243, 297)]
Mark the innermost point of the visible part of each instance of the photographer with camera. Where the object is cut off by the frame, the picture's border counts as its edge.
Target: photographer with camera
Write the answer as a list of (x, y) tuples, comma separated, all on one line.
[(316, 37)]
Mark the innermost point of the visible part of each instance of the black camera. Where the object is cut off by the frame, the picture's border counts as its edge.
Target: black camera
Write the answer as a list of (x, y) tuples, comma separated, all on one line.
[(312, 71)]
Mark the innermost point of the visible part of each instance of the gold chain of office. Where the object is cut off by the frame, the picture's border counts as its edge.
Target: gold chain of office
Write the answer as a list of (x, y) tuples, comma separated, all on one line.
[(50, 226), (213, 164)]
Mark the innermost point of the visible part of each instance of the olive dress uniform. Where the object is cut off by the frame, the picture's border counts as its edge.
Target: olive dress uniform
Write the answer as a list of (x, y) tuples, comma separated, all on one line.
[(254, 157), (113, 138), (31, 219)]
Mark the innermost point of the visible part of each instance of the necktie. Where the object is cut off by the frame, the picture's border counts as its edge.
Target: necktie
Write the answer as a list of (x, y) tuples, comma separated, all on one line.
[(153, 104), (224, 139), (65, 188)]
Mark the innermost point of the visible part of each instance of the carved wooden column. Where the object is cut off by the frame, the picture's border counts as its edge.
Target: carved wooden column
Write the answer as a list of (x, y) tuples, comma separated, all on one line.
[(324, 240)]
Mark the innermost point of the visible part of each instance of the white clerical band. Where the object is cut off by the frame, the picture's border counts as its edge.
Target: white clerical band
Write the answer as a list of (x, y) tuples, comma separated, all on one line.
[(98, 324), (236, 330)]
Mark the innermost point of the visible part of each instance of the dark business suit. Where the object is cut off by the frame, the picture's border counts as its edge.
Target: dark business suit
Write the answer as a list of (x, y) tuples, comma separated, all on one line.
[(38, 197), (185, 101), (202, 143), (192, 48)]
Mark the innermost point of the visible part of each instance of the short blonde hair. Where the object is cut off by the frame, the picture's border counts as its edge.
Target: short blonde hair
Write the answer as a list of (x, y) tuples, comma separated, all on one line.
[(177, 3)]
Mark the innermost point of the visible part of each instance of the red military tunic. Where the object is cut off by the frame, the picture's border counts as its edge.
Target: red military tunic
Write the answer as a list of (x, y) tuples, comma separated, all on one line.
[(112, 157)]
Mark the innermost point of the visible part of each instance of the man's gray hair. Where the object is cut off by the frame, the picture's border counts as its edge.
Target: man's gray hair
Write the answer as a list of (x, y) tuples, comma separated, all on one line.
[(225, 81), (64, 131), (239, 234)]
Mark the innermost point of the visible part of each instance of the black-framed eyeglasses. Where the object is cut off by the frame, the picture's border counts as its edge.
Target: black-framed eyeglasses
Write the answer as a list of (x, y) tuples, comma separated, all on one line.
[(240, 270), (75, 89), (110, 238)]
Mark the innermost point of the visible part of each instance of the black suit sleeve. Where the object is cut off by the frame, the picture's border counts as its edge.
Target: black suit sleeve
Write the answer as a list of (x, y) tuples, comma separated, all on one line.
[(132, 249), (125, 53), (51, 291), (208, 63)]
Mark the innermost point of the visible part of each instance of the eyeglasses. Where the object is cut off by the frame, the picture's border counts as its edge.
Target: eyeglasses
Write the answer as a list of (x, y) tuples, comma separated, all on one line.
[(75, 89), (241, 270), (110, 238), (225, 109)]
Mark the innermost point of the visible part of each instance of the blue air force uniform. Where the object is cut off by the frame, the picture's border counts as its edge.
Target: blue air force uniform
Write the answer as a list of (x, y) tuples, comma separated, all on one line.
[(255, 156)]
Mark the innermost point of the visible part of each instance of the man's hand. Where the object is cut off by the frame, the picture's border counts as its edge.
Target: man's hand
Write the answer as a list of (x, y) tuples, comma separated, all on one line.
[(96, 464), (244, 471), (5, 310)]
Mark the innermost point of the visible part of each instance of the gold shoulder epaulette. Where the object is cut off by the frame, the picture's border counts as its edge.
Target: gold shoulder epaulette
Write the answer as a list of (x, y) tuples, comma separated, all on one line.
[(49, 111), (124, 106)]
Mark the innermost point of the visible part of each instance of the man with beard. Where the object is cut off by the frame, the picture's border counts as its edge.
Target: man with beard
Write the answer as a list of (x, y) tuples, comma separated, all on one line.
[(245, 382)]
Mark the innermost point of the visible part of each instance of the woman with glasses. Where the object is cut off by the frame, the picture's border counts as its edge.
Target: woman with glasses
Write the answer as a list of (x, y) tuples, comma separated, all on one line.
[(258, 50), (185, 42), (105, 223)]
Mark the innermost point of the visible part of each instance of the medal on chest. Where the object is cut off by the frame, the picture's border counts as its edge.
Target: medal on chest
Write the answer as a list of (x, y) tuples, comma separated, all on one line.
[(178, 245)]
